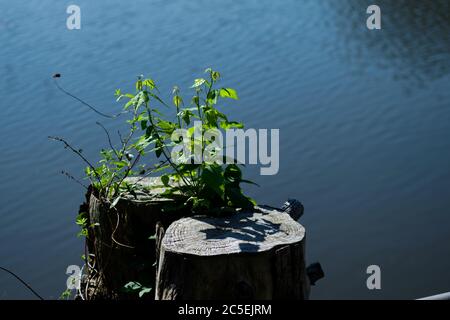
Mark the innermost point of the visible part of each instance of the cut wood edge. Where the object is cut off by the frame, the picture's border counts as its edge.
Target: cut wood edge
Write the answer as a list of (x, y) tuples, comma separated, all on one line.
[(247, 232)]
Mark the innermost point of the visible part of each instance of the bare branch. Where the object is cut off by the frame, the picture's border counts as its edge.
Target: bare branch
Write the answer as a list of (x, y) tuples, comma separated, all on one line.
[(84, 102), (71, 177), (109, 139), (78, 153)]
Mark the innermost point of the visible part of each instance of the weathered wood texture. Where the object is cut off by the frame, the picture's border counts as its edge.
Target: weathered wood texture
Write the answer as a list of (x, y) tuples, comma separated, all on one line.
[(120, 240), (256, 255)]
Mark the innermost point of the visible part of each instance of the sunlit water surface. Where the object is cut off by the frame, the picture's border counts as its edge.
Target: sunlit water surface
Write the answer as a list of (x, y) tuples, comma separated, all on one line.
[(364, 120)]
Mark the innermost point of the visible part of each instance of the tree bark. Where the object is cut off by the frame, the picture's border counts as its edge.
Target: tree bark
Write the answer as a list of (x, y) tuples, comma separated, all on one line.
[(122, 243)]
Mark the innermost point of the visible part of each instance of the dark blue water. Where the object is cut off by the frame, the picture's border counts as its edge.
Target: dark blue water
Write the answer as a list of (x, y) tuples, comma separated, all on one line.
[(364, 120)]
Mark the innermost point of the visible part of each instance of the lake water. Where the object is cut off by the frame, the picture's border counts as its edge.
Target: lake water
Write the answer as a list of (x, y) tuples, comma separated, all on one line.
[(364, 120)]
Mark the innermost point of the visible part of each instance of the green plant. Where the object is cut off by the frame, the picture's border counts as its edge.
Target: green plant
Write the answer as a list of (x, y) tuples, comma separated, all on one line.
[(136, 287), (66, 295), (203, 186), (152, 147)]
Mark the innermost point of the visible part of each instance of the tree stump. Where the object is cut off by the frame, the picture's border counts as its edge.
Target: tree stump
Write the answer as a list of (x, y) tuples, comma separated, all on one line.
[(249, 255), (121, 241)]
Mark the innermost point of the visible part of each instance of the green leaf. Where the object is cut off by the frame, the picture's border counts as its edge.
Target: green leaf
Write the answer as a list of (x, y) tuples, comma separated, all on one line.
[(212, 96), (211, 117), (229, 125), (186, 115), (65, 295), (213, 178), (132, 286), (127, 95), (215, 75), (165, 180), (81, 220), (120, 164), (158, 148), (237, 199), (161, 168), (149, 83), (149, 131), (195, 100), (177, 101), (144, 291), (139, 85), (142, 98), (167, 126), (129, 104), (198, 83), (144, 141), (228, 93), (82, 233), (233, 173)]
